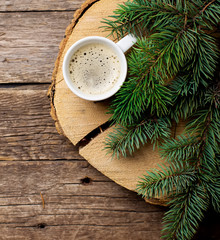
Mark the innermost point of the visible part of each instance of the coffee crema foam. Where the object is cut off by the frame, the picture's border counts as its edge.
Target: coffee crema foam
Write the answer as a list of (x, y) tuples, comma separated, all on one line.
[(94, 68)]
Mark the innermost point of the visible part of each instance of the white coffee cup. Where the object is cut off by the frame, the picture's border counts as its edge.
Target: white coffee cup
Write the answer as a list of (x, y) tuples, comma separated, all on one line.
[(119, 48)]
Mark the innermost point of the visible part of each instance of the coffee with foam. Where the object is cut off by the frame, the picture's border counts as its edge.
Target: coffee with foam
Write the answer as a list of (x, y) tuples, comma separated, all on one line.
[(94, 68)]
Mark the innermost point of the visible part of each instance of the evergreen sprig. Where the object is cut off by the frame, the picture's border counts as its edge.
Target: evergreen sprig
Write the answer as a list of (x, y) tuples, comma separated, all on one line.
[(186, 212), (166, 181), (125, 140), (186, 51), (142, 91), (211, 182), (181, 150), (173, 74), (143, 17), (199, 150)]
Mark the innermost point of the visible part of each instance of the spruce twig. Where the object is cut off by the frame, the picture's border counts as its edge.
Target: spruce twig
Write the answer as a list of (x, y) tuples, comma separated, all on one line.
[(207, 5), (172, 76), (125, 140), (166, 181), (187, 206)]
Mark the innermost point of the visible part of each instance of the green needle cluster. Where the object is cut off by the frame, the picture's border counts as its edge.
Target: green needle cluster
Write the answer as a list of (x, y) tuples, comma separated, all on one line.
[(173, 74)]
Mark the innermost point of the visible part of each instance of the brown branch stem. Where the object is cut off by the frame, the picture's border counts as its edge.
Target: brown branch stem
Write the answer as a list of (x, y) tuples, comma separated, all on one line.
[(207, 5)]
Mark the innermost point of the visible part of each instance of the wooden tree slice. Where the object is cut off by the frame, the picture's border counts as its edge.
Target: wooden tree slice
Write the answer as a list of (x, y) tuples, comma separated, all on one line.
[(124, 171), (75, 118)]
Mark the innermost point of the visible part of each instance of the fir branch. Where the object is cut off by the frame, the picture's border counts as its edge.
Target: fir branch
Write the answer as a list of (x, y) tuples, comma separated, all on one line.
[(180, 151), (187, 98), (205, 59), (191, 84), (166, 181), (203, 122), (211, 182), (141, 17), (208, 157), (201, 146), (209, 15), (175, 48), (207, 5), (158, 58), (186, 212), (145, 90), (125, 140)]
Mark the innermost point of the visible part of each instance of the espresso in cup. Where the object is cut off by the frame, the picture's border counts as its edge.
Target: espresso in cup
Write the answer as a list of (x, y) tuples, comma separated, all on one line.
[(94, 68)]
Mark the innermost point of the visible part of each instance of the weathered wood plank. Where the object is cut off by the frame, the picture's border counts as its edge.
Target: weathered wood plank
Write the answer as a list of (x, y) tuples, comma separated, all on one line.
[(29, 43), (39, 5), (98, 210), (80, 232), (71, 208), (27, 131)]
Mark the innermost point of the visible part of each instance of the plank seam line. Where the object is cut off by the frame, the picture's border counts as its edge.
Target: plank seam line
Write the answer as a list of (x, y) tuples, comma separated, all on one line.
[(14, 85), (39, 11), (90, 225)]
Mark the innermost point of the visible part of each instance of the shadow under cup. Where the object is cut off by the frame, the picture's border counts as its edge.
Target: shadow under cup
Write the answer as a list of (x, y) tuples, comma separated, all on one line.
[(89, 41)]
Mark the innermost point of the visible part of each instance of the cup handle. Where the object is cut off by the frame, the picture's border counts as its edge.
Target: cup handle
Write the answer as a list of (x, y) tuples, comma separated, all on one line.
[(127, 42)]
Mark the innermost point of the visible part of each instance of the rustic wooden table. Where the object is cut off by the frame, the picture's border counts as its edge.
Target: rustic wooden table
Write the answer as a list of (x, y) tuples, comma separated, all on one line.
[(47, 190)]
